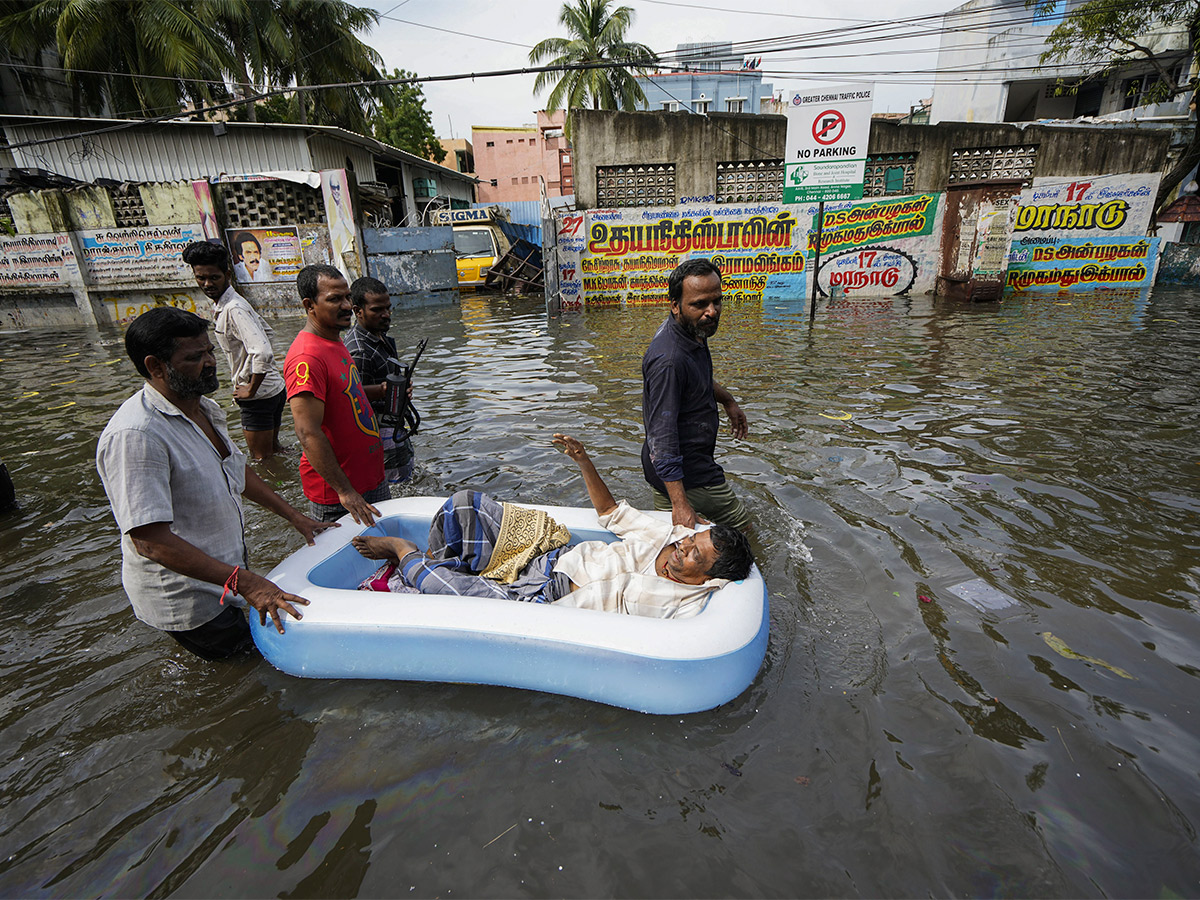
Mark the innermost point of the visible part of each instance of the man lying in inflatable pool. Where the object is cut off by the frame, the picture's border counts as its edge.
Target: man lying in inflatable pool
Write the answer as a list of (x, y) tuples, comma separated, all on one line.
[(482, 548)]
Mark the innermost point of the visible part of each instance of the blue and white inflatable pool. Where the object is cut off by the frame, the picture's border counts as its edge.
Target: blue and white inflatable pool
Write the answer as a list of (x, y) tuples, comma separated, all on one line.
[(664, 666)]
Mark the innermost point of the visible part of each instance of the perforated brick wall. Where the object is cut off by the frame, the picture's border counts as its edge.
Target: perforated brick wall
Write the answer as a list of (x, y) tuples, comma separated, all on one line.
[(261, 204)]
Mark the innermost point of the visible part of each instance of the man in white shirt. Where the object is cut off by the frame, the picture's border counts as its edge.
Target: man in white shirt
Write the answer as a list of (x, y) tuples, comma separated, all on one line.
[(656, 569), (176, 483), (245, 337)]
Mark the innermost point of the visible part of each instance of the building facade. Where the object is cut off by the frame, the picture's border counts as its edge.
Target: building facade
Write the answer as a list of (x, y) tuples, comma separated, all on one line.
[(990, 70), (714, 80), (511, 163)]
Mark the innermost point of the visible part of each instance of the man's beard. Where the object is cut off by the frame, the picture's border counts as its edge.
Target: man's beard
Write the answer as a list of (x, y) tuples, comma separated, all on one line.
[(192, 387), (698, 332)]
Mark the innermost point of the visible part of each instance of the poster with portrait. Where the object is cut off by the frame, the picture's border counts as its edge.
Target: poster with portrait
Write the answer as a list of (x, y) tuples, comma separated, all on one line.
[(339, 214), (262, 255)]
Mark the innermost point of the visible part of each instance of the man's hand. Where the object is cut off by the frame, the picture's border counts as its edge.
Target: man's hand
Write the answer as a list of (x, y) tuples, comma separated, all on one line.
[(267, 598), (570, 446), (360, 510), (683, 515), (309, 527), (243, 392), (738, 426)]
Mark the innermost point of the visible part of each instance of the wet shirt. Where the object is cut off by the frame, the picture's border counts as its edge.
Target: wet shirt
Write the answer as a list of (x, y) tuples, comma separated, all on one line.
[(620, 577), (370, 353), (246, 340), (323, 368), (158, 466), (679, 411)]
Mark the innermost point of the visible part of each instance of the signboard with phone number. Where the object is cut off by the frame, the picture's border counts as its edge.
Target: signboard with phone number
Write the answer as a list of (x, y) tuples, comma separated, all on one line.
[(827, 134)]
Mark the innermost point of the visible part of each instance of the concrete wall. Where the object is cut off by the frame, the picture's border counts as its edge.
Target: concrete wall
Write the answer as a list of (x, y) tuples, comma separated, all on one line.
[(1180, 264), (695, 144), (171, 203), (1061, 150)]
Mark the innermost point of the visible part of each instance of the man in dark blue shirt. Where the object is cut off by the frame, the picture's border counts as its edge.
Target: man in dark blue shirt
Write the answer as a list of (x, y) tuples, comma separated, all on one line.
[(679, 405)]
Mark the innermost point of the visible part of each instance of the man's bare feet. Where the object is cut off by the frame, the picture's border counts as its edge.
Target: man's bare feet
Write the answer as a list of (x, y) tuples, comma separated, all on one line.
[(380, 547)]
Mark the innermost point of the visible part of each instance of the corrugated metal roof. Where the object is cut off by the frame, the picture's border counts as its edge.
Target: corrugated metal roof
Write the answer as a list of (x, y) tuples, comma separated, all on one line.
[(170, 151)]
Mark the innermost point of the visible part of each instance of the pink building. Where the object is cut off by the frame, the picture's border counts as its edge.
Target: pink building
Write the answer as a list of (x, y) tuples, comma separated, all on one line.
[(513, 158)]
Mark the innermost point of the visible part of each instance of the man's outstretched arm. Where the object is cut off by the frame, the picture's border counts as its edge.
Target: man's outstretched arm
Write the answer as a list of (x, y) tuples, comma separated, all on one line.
[(307, 414), (598, 491)]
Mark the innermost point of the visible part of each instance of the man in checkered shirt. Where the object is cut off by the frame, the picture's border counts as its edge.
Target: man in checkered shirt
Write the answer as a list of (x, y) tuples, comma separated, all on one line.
[(370, 347)]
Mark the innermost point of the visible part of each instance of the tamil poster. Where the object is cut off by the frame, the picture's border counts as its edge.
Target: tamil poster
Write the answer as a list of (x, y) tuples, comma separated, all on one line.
[(150, 253), (878, 247), (1083, 233), (1083, 265), (265, 254), (1074, 206), (37, 259), (610, 256)]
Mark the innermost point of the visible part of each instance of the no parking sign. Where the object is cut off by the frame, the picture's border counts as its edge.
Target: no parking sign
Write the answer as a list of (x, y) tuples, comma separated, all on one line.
[(827, 135)]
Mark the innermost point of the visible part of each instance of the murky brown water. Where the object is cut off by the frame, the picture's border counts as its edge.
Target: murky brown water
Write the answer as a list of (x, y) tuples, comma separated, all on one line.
[(890, 746)]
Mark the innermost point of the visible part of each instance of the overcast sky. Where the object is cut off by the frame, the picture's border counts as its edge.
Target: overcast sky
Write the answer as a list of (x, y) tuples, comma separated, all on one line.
[(465, 36)]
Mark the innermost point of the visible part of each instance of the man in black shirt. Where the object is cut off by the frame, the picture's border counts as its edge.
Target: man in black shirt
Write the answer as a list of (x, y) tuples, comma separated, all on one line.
[(370, 346), (679, 405)]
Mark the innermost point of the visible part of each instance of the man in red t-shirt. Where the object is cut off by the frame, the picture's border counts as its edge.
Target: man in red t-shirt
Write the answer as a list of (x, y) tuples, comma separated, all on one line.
[(341, 468)]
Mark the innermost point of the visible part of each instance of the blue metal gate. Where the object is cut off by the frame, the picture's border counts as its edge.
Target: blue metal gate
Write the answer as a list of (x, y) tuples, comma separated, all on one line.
[(412, 260)]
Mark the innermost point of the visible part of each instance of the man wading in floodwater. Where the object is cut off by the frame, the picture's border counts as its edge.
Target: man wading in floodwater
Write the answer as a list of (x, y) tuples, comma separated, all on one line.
[(176, 482), (679, 405)]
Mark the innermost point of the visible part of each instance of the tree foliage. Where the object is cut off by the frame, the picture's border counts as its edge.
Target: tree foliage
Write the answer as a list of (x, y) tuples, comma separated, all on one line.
[(596, 38), (406, 123), (1105, 36), (149, 57)]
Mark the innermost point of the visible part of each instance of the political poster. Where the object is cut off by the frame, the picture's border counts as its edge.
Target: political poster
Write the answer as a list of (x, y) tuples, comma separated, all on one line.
[(262, 255), (151, 253), (1068, 207), (878, 247), (623, 256), (826, 144), (37, 259), (1106, 262)]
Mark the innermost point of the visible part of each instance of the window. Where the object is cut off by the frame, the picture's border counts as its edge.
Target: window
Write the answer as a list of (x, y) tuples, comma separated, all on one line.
[(649, 184), (670, 106), (735, 104), (701, 106), (1149, 88), (525, 179), (509, 141), (992, 164), (516, 181), (889, 174), (491, 143), (750, 181)]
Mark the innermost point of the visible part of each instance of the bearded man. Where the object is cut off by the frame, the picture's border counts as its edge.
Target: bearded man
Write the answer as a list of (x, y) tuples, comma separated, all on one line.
[(679, 405), (175, 482)]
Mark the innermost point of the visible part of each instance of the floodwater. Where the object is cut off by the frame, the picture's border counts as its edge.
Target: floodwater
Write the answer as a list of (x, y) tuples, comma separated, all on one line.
[(979, 529)]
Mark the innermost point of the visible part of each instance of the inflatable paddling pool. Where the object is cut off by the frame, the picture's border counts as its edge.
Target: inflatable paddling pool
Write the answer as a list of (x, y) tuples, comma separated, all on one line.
[(664, 666)]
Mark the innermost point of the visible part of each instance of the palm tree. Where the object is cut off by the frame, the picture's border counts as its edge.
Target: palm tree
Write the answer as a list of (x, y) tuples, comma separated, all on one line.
[(324, 50), (160, 53), (152, 56), (597, 36)]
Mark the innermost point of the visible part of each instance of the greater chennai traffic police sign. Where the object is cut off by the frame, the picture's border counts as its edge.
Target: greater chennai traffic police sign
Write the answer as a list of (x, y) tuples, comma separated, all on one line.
[(827, 134)]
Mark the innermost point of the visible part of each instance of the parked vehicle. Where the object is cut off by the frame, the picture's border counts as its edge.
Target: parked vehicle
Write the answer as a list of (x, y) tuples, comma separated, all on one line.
[(478, 242)]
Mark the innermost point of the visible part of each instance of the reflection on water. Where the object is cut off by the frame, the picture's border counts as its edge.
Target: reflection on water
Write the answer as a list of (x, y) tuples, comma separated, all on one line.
[(903, 737)]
